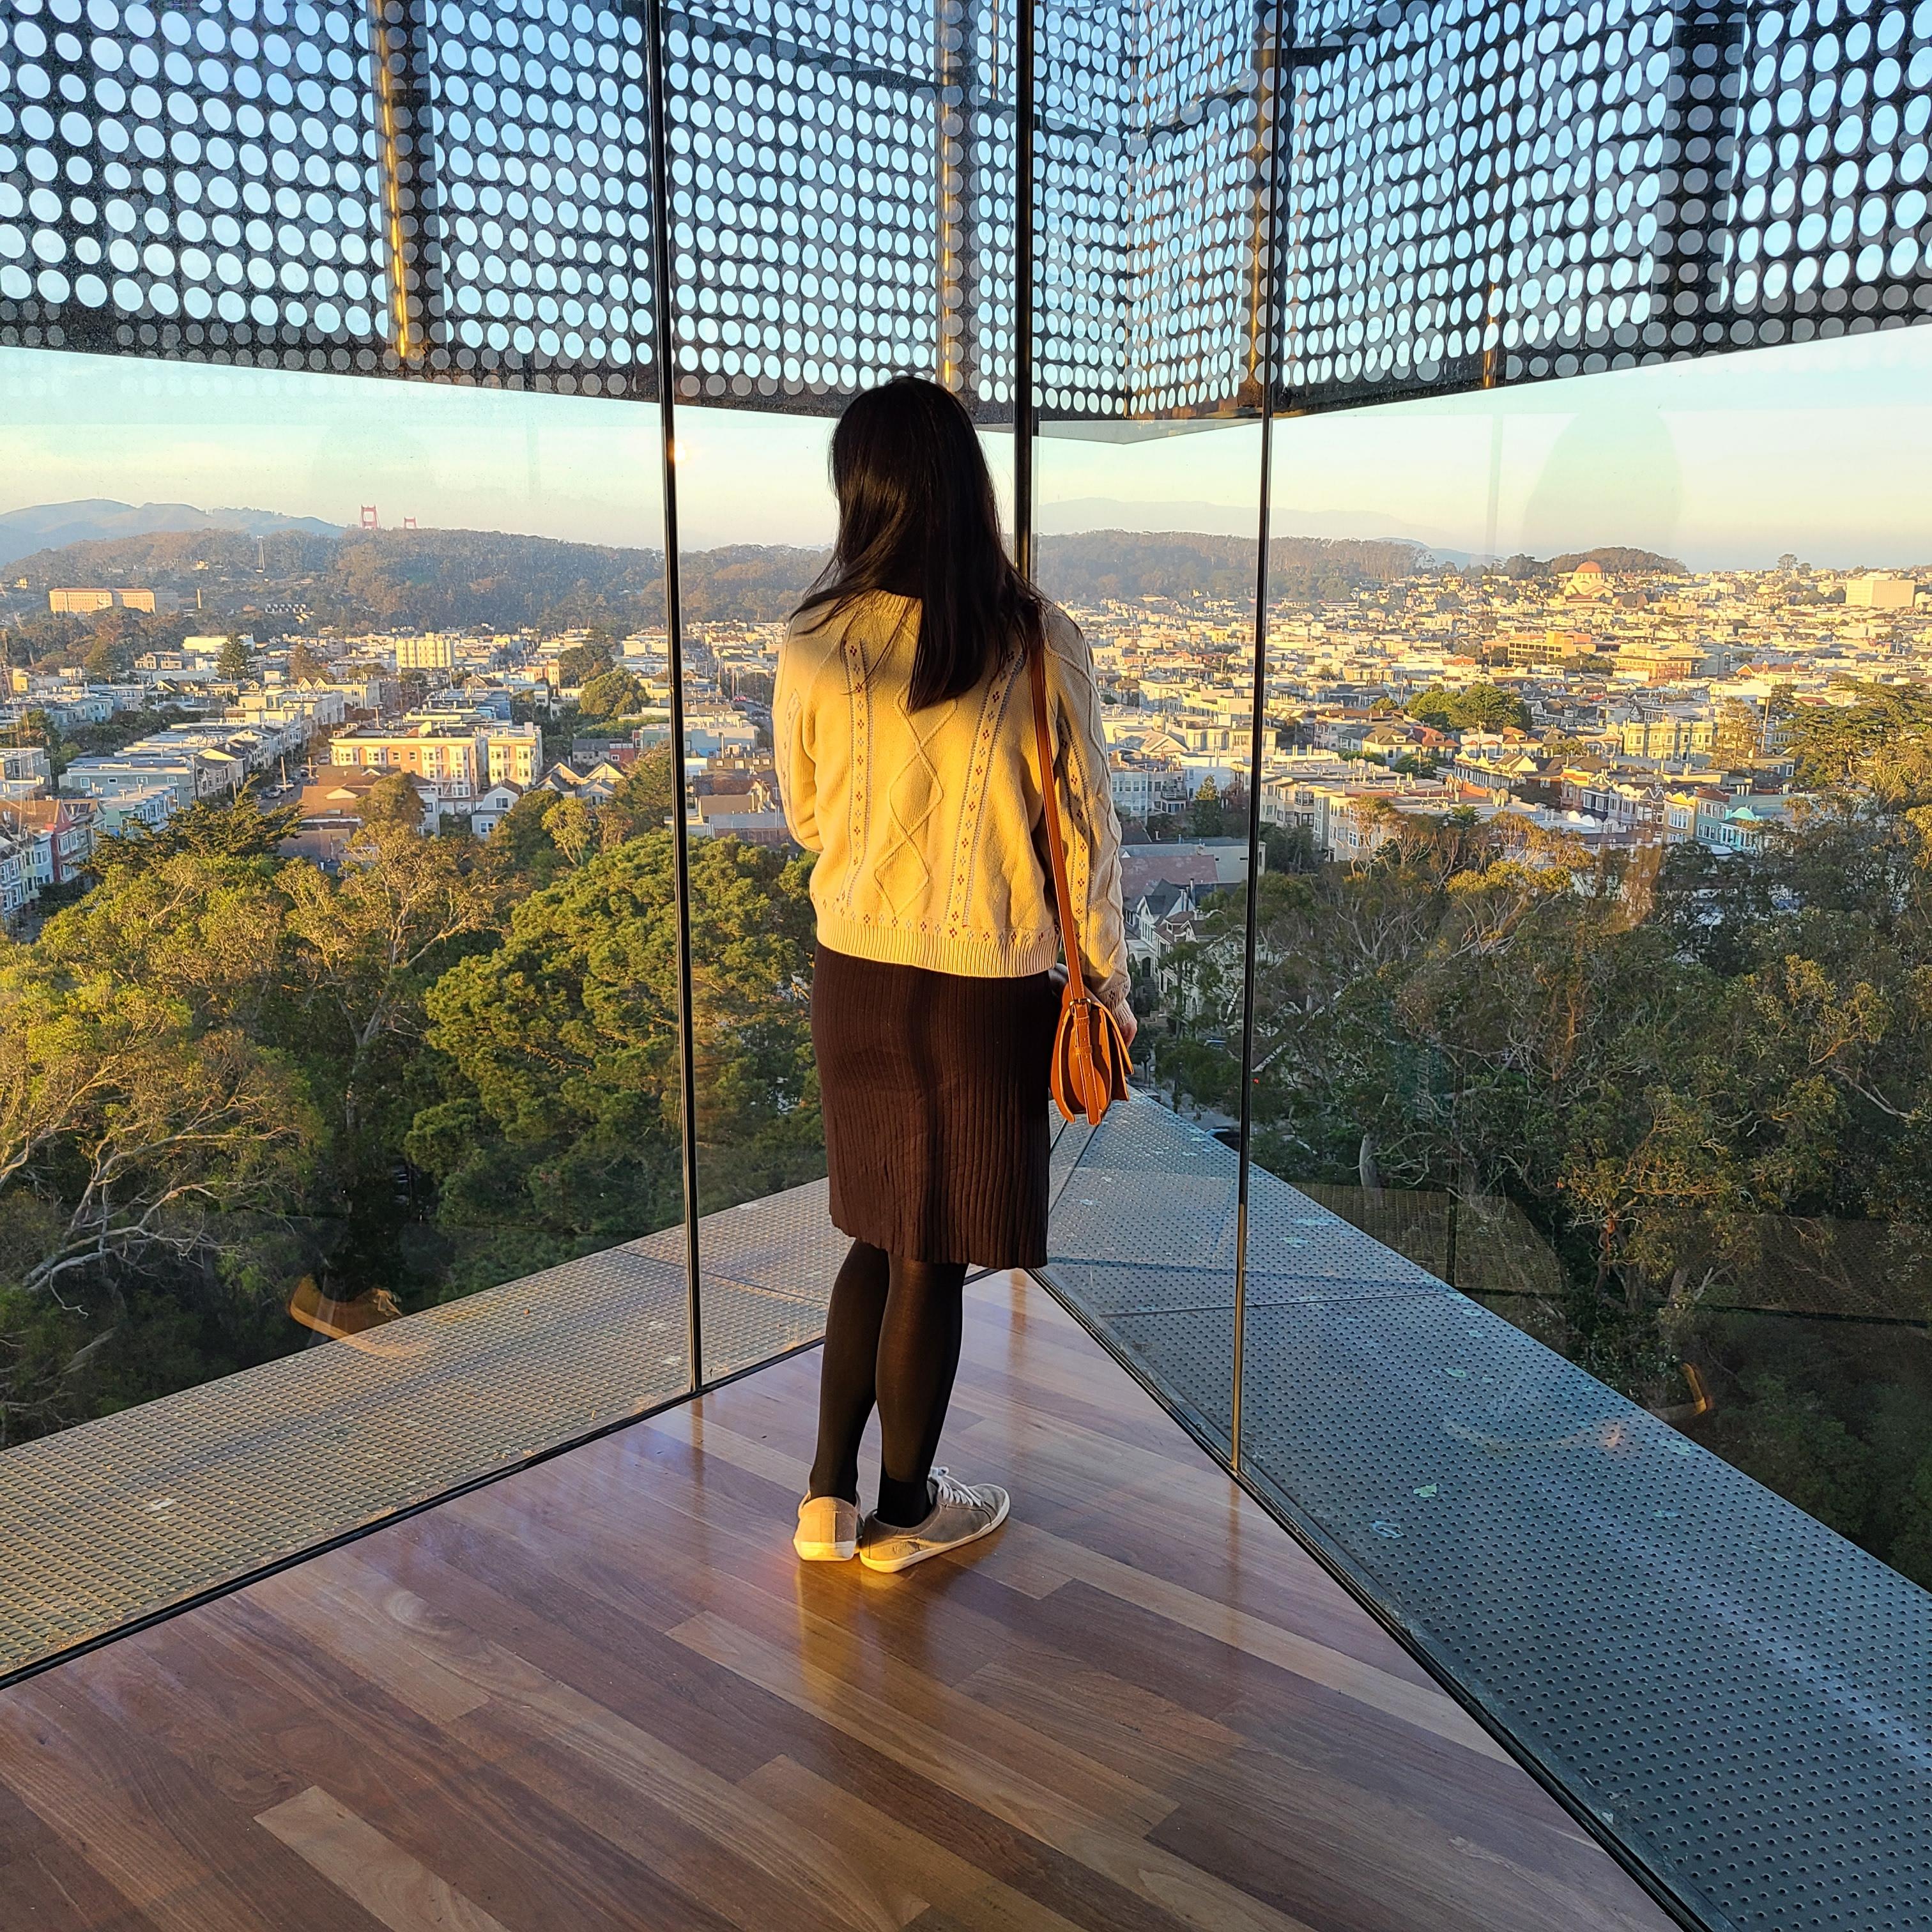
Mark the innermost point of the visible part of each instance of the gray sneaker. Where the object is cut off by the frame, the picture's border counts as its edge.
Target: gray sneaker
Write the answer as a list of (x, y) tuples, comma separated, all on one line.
[(961, 1514)]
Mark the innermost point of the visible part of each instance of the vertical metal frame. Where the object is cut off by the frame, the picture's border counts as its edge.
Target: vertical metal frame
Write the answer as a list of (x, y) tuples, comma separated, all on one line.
[(1270, 107), (665, 344), (1023, 412)]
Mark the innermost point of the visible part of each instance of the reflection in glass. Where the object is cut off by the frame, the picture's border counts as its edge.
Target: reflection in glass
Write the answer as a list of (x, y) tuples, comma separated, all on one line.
[(1144, 1229), (343, 1001), (1583, 847)]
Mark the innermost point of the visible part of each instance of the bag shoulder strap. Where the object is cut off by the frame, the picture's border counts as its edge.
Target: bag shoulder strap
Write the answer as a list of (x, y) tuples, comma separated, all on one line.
[(1056, 842)]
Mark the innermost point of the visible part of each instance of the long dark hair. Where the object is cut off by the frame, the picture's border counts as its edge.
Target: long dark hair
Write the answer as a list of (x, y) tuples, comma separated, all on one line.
[(917, 518)]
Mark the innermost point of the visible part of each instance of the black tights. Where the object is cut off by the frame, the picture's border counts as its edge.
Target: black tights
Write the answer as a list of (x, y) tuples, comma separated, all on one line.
[(891, 1337)]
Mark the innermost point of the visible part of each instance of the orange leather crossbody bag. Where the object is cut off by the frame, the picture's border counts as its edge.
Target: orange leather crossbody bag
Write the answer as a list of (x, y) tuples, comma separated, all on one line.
[(1089, 1057)]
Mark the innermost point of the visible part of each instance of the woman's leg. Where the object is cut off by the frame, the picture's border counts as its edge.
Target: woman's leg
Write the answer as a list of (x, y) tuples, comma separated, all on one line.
[(918, 1356), (845, 1373)]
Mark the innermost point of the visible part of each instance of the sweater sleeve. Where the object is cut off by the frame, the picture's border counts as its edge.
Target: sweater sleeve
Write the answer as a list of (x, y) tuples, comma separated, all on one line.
[(1092, 828), (791, 746)]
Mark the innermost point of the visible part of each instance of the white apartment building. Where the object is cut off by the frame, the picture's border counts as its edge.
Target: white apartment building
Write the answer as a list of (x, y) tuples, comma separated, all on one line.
[(429, 653), (1881, 591)]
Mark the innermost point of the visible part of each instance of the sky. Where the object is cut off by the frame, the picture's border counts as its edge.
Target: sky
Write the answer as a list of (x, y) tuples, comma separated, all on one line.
[(1819, 448)]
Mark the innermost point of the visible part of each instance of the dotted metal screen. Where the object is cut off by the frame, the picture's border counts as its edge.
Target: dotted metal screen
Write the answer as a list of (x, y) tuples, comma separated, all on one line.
[(1468, 193), (390, 187), (826, 177), (1480, 194)]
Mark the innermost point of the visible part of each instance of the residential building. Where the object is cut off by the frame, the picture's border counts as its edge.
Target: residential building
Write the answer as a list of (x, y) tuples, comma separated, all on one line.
[(331, 804), (25, 764), (493, 806), (451, 757), (426, 653), (64, 826), (1670, 736), (1878, 591), (80, 603)]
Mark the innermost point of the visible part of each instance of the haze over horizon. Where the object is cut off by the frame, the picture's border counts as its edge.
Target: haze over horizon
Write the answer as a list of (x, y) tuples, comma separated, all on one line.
[(1728, 462)]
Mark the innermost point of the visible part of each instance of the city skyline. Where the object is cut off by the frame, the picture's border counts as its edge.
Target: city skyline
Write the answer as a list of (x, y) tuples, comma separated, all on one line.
[(1727, 462)]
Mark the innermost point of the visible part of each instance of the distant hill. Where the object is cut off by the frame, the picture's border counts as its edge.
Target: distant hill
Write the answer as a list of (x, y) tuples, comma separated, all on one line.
[(95, 519), (1066, 515), (1132, 565), (1620, 561), (435, 578)]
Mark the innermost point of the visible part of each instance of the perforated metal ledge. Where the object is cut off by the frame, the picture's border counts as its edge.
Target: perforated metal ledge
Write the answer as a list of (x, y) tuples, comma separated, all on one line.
[(1739, 1696), (116, 1519)]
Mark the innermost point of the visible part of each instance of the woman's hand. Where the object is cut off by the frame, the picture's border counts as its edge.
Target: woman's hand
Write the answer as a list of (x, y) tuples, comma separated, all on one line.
[(1123, 1015)]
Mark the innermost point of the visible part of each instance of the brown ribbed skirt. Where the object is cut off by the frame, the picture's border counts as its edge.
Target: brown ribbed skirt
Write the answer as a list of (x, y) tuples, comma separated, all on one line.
[(935, 1091)]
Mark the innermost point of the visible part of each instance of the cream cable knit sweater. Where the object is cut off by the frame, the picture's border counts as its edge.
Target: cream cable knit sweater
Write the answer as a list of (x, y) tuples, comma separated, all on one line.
[(932, 848)]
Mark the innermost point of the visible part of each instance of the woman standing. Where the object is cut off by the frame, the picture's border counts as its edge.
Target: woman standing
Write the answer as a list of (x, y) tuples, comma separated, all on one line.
[(905, 749)]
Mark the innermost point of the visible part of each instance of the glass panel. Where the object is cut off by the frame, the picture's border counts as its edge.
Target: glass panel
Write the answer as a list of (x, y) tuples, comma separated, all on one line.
[(1148, 536), (1582, 990), (340, 1039), (901, 257), (1151, 547), (747, 554)]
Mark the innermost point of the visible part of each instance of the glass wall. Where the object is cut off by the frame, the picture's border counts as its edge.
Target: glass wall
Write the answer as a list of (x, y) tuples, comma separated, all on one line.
[(1151, 546), (1592, 769), (745, 559), (1577, 1119), (339, 989)]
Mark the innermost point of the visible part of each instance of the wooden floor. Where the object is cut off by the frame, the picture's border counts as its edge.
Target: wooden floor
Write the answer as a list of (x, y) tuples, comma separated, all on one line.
[(602, 1695)]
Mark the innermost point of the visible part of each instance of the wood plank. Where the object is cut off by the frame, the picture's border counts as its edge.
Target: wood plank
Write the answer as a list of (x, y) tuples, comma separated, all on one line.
[(600, 1694), (437, 1794), (1045, 1561), (1421, 1705), (1306, 1857), (134, 1813), (1136, 1731), (1188, 1894), (52, 1888), (807, 1884), (1372, 1778), (318, 1601), (930, 1875), (385, 1881)]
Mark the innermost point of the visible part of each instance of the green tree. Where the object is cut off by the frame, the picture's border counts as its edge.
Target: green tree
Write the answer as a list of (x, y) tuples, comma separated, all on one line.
[(235, 663), (223, 828), (1289, 848), (644, 799), (612, 694), (1739, 735), (392, 801), (1206, 816), (1790, 1442), (572, 828), (1911, 1550), (560, 1047), (582, 663), (1480, 707), (117, 638), (306, 665), (141, 1110)]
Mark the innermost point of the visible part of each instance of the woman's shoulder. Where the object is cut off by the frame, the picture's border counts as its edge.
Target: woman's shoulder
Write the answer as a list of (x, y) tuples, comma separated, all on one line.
[(1064, 638), (828, 622)]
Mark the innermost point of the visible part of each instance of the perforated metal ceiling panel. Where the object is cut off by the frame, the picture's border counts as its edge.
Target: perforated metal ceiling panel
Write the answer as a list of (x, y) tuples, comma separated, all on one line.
[(1470, 193), (1481, 194), (373, 187)]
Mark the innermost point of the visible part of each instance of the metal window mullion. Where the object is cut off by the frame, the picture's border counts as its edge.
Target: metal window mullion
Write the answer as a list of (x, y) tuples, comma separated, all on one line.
[(665, 333), (1023, 278), (1271, 103)]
